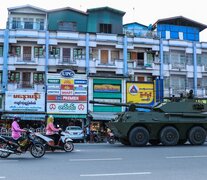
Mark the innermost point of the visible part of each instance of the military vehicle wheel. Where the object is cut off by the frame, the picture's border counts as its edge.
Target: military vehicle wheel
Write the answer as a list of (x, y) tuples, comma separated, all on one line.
[(154, 142), (169, 136), (124, 141), (197, 135), (139, 136)]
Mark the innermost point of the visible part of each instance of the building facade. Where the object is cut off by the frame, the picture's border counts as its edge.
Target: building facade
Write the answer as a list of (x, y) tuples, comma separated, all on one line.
[(39, 44)]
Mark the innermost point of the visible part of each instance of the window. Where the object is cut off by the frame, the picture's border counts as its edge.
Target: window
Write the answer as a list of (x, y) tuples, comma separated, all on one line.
[(16, 23), (14, 77), (26, 77), (40, 24), (15, 51), (28, 23), (38, 78), (204, 59), (166, 82), (94, 53), (189, 59), (54, 52), (149, 59), (178, 83), (38, 52), (78, 53), (27, 53), (67, 26), (105, 28), (140, 57), (104, 56), (166, 58), (114, 55), (1, 51), (66, 55), (131, 56)]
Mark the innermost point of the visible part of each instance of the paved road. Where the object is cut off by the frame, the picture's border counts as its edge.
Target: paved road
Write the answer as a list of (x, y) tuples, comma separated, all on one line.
[(107, 162)]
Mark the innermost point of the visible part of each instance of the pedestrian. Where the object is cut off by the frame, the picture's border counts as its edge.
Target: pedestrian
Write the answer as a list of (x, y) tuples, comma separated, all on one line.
[(88, 134)]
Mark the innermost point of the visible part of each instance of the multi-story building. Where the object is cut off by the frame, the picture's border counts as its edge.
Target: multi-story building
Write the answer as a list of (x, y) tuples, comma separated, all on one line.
[(98, 48)]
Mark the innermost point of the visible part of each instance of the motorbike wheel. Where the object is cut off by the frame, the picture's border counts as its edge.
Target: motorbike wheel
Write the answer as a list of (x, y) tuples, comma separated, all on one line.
[(68, 146), (37, 150), (111, 140), (4, 154)]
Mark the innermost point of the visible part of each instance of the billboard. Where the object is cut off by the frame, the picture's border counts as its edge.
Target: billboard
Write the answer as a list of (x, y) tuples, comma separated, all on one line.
[(66, 94), (142, 93)]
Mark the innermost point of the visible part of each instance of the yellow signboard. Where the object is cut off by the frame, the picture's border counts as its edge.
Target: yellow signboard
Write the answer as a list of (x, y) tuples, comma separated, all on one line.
[(67, 81), (142, 93)]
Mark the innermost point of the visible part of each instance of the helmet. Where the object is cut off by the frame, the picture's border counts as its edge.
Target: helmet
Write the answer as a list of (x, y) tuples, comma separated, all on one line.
[(16, 118)]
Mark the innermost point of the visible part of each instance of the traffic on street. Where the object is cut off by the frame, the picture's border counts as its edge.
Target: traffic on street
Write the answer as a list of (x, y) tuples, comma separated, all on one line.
[(90, 161)]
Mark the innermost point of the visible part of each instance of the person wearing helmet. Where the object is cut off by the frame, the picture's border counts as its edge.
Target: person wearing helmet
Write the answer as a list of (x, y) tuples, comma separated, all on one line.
[(16, 131), (51, 130)]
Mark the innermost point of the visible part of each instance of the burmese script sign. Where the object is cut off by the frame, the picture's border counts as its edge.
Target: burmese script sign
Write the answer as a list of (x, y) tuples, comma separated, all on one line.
[(25, 101)]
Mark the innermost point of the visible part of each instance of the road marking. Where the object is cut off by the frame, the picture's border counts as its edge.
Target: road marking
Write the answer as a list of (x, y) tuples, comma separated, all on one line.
[(116, 174), (186, 157), (8, 160), (106, 159), (2, 177)]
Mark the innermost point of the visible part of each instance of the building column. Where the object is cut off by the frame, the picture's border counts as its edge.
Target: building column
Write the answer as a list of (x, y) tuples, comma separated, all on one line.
[(5, 60), (125, 56), (87, 55), (46, 56), (195, 68)]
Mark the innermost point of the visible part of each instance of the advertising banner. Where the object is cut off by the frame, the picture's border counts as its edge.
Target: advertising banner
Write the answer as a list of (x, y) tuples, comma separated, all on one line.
[(71, 97), (24, 101), (142, 93), (67, 108)]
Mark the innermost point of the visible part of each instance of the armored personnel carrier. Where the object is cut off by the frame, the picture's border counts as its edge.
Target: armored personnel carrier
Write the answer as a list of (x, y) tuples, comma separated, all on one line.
[(170, 123)]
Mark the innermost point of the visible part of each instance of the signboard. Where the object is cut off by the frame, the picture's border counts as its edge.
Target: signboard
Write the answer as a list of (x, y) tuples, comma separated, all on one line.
[(24, 101), (142, 93), (70, 97)]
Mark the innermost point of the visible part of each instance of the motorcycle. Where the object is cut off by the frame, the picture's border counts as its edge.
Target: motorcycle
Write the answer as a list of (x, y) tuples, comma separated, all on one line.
[(9, 146), (64, 143), (111, 139)]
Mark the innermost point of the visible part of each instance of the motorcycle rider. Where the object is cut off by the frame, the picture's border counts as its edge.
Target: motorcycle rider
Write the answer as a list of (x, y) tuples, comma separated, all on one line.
[(51, 131), (16, 131)]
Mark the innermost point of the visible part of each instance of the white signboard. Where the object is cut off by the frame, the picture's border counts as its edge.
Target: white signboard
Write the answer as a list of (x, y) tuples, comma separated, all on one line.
[(67, 108), (25, 101)]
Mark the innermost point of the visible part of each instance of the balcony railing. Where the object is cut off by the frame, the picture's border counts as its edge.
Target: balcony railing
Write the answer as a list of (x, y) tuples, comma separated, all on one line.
[(178, 66), (26, 25), (66, 60), (25, 85), (142, 33)]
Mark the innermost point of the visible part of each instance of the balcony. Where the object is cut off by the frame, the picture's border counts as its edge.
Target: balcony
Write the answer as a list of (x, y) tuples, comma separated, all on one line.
[(25, 25), (179, 66), (141, 33), (25, 85)]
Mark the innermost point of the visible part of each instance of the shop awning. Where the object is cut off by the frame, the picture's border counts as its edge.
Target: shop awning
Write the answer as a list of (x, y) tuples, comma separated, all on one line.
[(29, 117), (75, 116), (103, 116)]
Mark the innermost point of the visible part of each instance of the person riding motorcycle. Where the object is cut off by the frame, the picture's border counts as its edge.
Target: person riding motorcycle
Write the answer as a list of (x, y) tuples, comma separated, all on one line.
[(16, 131), (51, 131)]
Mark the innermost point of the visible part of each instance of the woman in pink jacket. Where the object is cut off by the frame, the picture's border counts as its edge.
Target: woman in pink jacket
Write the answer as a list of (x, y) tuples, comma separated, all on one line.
[(51, 131), (16, 130)]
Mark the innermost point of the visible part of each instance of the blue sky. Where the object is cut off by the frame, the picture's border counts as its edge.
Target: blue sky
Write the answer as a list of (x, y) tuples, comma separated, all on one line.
[(144, 12)]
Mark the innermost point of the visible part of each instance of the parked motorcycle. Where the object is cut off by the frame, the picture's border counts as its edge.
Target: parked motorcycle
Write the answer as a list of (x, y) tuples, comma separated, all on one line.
[(64, 143), (9, 146)]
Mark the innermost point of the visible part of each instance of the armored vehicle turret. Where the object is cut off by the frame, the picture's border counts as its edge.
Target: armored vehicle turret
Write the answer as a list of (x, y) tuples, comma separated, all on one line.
[(169, 123)]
